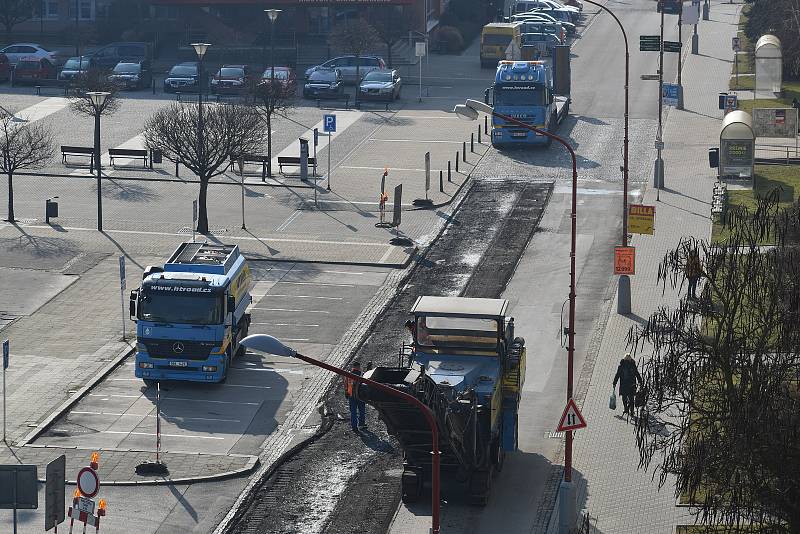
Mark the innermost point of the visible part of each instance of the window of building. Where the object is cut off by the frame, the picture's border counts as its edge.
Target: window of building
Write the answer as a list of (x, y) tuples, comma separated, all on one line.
[(102, 9), (51, 9), (85, 9)]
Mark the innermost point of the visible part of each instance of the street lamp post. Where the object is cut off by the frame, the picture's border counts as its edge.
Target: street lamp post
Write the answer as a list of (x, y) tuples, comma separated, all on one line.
[(624, 292), (270, 345), (200, 49), (273, 16), (98, 99), (469, 110)]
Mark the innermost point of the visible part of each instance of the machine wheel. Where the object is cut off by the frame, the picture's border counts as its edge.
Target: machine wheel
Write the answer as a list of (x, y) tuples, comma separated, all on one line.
[(240, 350), (480, 482), (410, 485)]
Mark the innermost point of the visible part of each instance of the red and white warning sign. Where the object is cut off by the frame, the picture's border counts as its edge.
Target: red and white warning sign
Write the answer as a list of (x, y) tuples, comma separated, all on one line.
[(83, 507), (571, 419), (88, 482)]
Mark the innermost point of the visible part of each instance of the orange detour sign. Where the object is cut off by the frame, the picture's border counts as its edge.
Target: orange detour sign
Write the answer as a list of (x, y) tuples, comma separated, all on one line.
[(624, 260), (571, 419), (641, 219)]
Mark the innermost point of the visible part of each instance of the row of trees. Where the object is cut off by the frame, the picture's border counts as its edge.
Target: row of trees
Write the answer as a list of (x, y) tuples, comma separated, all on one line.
[(782, 19), (723, 409)]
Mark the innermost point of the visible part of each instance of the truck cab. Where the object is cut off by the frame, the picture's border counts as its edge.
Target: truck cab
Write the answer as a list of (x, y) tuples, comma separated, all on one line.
[(191, 314)]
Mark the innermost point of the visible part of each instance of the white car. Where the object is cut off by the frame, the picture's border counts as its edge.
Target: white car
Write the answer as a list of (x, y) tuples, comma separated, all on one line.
[(17, 51)]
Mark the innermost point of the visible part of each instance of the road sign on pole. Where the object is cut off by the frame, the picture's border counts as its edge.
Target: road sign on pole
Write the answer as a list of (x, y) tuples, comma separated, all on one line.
[(736, 44), (88, 482), (624, 260), (122, 291), (420, 50), (571, 419), (670, 93), (427, 173), (18, 489), (672, 46), (641, 219), (649, 43), (329, 122), (55, 492)]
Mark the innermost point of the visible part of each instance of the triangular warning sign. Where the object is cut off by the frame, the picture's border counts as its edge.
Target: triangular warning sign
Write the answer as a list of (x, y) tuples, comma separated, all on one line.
[(571, 419)]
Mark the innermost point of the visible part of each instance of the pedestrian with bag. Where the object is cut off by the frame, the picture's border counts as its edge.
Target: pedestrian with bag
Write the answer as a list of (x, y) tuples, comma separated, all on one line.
[(357, 406), (694, 270), (627, 376)]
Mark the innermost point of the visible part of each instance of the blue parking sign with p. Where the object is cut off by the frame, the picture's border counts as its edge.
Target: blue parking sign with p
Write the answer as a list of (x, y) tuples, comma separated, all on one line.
[(329, 123)]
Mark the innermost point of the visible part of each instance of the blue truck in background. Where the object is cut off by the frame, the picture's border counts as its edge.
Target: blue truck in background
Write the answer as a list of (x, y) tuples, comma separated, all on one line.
[(525, 90), (191, 313)]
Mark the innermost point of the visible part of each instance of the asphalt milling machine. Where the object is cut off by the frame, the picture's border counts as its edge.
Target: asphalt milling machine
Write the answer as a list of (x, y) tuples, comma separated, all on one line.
[(467, 366)]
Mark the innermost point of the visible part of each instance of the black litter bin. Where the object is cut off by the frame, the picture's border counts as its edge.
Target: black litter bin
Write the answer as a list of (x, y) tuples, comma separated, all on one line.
[(50, 210), (157, 156)]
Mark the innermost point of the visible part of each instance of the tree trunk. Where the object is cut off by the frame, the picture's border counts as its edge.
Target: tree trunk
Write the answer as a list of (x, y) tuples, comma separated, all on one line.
[(10, 197), (269, 145), (202, 211)]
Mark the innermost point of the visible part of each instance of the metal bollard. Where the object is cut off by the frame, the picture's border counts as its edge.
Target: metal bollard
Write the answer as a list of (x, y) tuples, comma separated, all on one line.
[(154, 86), (441, 182), (176, 169), (449, 176), (479, 135), (456, 160), (464, 151), (472, 143), (486, 125)]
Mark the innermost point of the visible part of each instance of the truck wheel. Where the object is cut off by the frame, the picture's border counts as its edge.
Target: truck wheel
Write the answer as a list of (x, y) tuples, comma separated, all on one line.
[(240, 349), (410, 485), (498, 454)]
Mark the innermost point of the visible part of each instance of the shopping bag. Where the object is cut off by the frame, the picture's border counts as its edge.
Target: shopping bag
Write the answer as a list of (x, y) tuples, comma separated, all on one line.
[(612, 400)]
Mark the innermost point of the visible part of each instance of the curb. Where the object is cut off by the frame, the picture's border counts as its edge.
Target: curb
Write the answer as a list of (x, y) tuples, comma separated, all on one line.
[(66, 405), (174, 180)]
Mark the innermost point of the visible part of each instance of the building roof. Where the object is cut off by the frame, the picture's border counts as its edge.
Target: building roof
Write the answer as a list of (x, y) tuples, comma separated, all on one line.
[(460, 306)]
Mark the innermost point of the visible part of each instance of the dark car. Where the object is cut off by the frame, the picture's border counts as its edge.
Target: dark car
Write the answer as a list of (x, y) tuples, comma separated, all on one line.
[(380, 85), (132, 74), (107, 57), (230, 79), (75, 67), (5, 68), (347, 66), (33, 69), (182, 77), (324, 83), (283, 75)]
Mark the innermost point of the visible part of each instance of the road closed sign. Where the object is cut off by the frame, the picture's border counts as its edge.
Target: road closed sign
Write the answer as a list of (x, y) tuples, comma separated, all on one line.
[(641, 219), (624, 260)]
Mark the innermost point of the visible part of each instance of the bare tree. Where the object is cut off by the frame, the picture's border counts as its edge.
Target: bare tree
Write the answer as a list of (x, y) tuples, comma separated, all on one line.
[(270, 97), (204, 141), (93, 80), (391, 24), (22, 146), (354, 37), (13, 12), (722, 413)]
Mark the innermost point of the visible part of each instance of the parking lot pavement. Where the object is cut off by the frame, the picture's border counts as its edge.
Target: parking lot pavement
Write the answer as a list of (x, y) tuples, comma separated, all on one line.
[(306, 306)]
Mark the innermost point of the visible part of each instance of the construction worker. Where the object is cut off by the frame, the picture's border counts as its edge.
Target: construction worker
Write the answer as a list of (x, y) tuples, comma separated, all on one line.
[(357, 406)]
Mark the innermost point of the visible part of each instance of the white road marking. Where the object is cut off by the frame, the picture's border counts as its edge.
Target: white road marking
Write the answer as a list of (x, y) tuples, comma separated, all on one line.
[(385, 255), (120, 396), (316, 283), (153, 415), (337, 272), (44, 108), (296, 339), (288, 221), (190, 436), (124, 379), (426, 141), (281, 371), (246, 386), (114, 395), (361, 167), (304, 296), (292, 310), (288, 324)]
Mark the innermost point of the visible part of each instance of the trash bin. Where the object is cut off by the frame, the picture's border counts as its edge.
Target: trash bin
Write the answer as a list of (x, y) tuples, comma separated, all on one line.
[(157, 156), (50, 210)]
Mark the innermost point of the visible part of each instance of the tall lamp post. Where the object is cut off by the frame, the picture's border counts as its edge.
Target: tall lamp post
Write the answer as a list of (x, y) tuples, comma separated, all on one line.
[(273, 16), (200, 49), (469, 110), (98, 99), (624, 293), (270, 345)]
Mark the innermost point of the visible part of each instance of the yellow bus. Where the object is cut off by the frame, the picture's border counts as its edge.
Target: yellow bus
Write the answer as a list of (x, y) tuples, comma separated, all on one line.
[(495, 38)]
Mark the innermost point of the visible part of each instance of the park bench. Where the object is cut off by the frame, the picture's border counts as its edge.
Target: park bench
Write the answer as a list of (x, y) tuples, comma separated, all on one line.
[(341, 98), (378, 103), (128, 153), (251, 158), (51, 84), (719, 200), (289, 161), (77, 151)]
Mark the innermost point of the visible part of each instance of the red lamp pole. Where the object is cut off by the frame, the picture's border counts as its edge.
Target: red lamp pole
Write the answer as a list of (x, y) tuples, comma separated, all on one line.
[(412, 400), (625, 141), (574, 231)]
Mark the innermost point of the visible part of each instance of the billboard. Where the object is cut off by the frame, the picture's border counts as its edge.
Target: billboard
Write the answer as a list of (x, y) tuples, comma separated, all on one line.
[(775, 122), (736, 157)]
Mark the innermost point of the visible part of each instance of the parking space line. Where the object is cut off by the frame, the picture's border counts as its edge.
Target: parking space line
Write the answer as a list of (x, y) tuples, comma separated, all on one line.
[(117, 395), (124, 379), (288, 221), (296, 339), (287, 371), (153, 415), (210, 401), (304, 296), (287, 324), (386, 254), (190, 436), (317, 283), (426, 141), (291, 310), (245, 386)]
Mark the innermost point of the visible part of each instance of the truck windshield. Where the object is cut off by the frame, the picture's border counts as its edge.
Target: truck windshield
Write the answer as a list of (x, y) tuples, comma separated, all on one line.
[(187, 309), (519, 96), (457, 332)]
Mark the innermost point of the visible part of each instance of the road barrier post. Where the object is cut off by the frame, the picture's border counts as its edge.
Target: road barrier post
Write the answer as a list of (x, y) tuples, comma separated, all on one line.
[(449, 175), (464, 151), (456, 160), (472, 143), (441, 181)]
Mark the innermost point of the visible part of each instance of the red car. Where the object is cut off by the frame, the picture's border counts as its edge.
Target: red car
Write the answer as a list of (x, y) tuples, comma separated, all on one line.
[(5, 68), (33, 69), (283, 75)]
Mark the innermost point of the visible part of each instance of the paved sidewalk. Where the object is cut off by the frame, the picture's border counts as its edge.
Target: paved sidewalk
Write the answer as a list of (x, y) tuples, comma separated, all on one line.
[(619, 497)]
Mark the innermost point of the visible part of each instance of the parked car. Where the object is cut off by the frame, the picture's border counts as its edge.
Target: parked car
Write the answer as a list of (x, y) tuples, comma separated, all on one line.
[(545, 41), (559, 14), (283, 75), (539, 16), (574, 3), (5, 68), (380, 85), (521, 6), (132, 75), (182, 77), (545, 27), (33, 69), (324, 83), (230, 79), (106, 57), (347, 66), (17, 51), (75, 67)]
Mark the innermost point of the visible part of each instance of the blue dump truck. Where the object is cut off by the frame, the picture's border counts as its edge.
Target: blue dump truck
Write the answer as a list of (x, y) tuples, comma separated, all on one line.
[(533, 92), (466, 365), (191, 313)]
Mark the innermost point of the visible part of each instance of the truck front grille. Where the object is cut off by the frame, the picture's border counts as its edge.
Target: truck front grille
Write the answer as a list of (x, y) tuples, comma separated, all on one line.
[(178, 350)]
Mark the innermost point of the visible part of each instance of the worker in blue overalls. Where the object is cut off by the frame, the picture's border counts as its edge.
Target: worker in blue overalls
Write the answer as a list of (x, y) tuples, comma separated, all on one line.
[(357, 406)]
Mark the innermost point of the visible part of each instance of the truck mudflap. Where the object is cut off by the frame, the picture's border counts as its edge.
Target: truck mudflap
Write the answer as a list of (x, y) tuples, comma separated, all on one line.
[(562, 108)]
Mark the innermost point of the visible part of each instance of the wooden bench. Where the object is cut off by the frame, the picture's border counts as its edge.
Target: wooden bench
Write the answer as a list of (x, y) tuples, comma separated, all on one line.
[(385, 104), (341, 98), (287, 161), (46, 84), (251, 158), (131, 153), (719, 200), (77, 151)]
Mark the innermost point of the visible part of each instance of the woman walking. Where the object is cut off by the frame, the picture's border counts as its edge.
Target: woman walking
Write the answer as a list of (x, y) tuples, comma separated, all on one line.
[(627, 376)]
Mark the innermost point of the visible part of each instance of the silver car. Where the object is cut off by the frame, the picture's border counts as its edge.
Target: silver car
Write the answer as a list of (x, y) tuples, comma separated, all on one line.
[(381, 85), (347, 66)]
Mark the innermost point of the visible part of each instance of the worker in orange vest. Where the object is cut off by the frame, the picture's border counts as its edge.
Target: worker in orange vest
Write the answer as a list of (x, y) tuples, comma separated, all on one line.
[(357, 406)]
